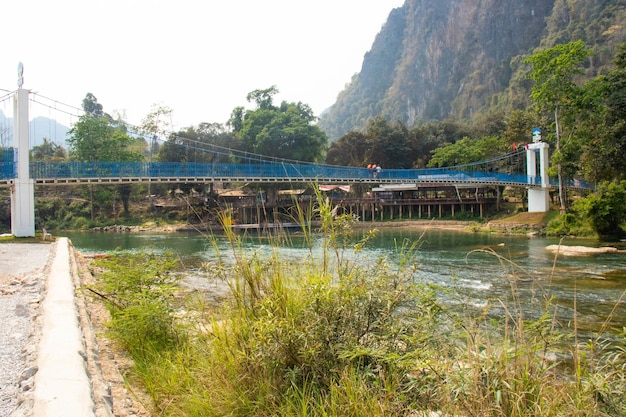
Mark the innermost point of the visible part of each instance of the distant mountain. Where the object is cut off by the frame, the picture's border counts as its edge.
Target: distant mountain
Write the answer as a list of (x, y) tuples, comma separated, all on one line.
[(40, 128), (462, 58)]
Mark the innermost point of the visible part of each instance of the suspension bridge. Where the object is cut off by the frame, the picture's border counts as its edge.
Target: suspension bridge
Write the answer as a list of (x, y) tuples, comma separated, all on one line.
[(525, 167)]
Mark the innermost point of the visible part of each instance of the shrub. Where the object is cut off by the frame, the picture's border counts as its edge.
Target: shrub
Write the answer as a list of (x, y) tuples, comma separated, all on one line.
[(338, 334), (139, 290), (606, 208)]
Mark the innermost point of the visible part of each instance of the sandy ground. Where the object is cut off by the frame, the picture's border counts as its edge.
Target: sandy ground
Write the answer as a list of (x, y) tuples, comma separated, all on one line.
[(22, 274)]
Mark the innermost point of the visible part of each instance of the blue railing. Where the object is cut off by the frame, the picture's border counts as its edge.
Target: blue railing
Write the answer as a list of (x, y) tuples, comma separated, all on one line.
[(267, 171), (270, 171), (8, 166)]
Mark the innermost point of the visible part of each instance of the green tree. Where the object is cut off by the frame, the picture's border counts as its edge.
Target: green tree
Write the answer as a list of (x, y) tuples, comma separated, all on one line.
[(91, 106), (598, 153), (383, 143), (157, 124), (606, 209), (389, 144), (208, 142), (96, 137), (467, 150), (432, 135), (349, 150), (602, 127), (48, 151), (286, 131), (518, 130), (616, 113), (99, 139), (555, 92)]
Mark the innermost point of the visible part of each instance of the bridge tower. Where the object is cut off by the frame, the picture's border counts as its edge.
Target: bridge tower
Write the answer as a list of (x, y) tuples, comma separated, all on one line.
[(538, 198), (23, 190)]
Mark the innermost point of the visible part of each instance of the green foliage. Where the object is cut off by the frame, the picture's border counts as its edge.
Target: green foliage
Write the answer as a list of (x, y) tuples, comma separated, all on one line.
[(91, 106), (553, 72), (606, 209), (467, 150), (605, 127), (98, 139), (383, 143), (519, 124), (571, 223), (392, 145), (350, 150), (48, 151), (282, 132), (198, 144), (334, 334), (139, 290), (602, 214), (59, 214)]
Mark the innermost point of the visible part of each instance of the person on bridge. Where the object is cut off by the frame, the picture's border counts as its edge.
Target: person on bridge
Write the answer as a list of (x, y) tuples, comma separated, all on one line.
[(378, 170)]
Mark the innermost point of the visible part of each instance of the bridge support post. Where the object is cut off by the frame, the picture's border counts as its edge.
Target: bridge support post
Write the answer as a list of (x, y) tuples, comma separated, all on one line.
[(538, 198), (23, 190)]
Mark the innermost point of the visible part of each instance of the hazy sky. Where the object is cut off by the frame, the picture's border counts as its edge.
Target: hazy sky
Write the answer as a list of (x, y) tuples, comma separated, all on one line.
[(198, 57)]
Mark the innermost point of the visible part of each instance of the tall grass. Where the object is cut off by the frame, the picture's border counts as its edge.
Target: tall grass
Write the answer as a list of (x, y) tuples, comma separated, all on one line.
[(336, 333)]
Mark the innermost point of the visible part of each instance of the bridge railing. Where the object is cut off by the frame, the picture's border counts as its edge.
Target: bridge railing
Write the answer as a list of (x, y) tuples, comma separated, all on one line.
[(76, 170), (8, 166), (272, 171)]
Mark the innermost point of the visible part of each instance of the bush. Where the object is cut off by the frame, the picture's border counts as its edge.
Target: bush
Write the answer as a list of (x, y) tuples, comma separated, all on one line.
[(337, 334), (607, 209), (602, 213), (139, 290)]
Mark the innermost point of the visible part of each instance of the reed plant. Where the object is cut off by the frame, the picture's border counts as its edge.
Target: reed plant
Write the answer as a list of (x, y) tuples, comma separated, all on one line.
[(338, 333)]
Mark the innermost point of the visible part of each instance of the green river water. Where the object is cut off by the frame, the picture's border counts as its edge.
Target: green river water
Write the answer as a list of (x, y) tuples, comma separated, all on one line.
[(451, 259)]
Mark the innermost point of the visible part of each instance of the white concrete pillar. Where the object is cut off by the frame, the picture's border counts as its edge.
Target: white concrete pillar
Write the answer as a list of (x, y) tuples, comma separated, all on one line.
[(538, 198), (23, 190)]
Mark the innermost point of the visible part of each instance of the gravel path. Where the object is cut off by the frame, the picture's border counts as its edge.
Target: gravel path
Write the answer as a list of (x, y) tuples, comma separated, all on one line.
[(23, 269)]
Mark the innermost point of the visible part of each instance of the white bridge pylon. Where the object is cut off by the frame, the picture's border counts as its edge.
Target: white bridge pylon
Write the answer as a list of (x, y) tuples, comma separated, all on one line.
[(23, 190), (538, 198)]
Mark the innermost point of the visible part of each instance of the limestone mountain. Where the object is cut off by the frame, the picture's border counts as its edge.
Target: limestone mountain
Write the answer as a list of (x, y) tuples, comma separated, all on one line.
[(461, 58)]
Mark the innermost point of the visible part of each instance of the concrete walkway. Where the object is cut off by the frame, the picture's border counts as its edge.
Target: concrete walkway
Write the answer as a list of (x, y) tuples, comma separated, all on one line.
[(49, 359), (62, 385)]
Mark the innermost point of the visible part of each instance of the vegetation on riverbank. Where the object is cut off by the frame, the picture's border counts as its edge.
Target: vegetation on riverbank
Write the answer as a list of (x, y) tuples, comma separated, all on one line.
[(335, 334)]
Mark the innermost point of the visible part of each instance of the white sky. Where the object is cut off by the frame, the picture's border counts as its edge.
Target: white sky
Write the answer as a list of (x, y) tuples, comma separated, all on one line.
[(198, 57)]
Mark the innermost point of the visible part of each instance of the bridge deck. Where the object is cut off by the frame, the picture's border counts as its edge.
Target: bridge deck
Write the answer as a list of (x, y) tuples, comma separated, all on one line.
[(67, 173)]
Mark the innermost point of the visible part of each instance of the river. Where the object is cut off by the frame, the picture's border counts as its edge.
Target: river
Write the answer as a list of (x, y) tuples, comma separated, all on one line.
[(476, 270)]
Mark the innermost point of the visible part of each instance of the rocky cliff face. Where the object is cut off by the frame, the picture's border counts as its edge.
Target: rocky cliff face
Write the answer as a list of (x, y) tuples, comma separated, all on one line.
[(458, 58)]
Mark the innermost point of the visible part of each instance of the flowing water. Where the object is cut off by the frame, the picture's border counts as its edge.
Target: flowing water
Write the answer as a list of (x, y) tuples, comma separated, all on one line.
[(477, 270)]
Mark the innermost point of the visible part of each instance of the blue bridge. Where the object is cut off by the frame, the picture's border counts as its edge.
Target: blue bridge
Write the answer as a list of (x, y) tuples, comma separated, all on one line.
[(270, 171), (524, 168)]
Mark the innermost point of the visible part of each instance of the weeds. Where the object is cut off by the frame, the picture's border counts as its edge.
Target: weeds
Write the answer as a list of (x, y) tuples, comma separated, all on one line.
[(139, 290), (337, 334)]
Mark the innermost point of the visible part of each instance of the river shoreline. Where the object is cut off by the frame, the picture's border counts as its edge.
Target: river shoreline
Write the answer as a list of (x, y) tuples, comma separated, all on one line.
[(183, 227)]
